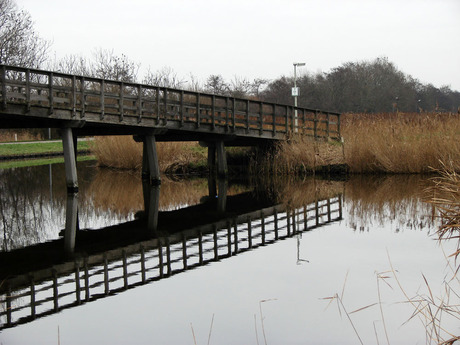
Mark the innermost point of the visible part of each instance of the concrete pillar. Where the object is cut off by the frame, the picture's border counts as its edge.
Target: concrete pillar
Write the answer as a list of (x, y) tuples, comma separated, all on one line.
[(151, 168), (70, 161)]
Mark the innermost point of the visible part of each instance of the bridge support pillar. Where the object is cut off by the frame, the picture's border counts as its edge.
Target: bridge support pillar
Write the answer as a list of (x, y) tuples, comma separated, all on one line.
[(222, 169), (151, 205), (150, 166), (71, 224), (70, 161), (217, 148)]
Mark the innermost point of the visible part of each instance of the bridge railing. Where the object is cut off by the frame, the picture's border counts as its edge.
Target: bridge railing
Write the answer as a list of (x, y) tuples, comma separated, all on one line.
[(26, 298), (133, 103)]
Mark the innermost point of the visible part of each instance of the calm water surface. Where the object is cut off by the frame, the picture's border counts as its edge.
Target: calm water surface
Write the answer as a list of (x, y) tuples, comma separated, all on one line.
[(248, 277)]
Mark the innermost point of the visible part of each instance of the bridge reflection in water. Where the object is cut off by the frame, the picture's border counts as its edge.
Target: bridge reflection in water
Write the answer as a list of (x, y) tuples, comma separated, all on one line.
[(86, 265)]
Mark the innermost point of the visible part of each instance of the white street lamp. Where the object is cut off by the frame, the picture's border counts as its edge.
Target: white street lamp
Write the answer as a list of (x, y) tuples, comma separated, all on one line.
[(295, 91)]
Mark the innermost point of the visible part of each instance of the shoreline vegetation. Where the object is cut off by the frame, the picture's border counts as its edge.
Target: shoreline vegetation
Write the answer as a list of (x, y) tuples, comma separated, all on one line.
[(386, 143)]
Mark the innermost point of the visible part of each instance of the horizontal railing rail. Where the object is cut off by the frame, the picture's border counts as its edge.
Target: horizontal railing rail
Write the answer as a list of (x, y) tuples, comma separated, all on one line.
[(132, 103), (108, 273)]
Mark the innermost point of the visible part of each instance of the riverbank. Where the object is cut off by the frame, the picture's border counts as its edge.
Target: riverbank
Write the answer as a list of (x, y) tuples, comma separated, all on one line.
[(38, 149)]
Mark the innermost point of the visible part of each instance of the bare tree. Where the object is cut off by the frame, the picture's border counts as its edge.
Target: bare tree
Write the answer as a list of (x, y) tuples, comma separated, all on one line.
[(19, 43), (166, 77), (107, 65), (216, 84)]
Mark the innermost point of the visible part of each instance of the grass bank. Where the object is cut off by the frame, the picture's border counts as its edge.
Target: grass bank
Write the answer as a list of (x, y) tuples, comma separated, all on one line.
[(38, 148)]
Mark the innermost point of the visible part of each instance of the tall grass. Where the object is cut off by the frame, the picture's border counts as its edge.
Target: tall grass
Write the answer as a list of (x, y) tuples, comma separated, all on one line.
[(122, 152), (400, 142), (374, 143)]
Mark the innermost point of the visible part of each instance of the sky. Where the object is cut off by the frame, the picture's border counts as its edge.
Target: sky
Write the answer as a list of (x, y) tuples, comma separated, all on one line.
[(258, 38)]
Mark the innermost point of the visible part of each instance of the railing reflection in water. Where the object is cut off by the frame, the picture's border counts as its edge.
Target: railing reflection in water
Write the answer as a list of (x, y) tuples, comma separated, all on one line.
[(27, 297)]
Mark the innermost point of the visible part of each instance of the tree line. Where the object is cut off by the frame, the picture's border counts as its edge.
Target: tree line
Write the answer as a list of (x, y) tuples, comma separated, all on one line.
[(365, 86)]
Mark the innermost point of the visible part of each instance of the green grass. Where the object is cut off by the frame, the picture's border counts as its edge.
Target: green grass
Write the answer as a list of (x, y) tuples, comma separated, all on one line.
[(36, 148), (36, 162)]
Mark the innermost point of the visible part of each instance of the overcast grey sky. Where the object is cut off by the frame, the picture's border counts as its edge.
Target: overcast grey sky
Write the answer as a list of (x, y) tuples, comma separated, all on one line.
[(259, 38)]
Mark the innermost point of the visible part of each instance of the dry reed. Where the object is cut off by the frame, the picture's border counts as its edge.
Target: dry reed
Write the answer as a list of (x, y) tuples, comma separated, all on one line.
[(374, 143), (445, 196), (122, 152), (400, 142)]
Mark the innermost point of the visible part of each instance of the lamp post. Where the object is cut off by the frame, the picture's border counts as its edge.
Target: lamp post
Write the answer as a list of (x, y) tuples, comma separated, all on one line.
[(295, 91)]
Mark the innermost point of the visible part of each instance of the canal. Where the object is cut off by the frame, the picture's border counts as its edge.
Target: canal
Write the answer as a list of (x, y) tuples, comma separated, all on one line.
[(199, 261)]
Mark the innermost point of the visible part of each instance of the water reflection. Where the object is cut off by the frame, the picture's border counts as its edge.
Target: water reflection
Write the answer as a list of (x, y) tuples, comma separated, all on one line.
[(117, 233), (389, 201), (153, 246)]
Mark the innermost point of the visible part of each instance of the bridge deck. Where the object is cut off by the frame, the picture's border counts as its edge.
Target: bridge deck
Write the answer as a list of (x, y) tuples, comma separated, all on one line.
[(41, 99)]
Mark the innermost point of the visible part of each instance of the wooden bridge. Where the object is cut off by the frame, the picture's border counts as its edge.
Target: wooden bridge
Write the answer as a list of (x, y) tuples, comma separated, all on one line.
[(82, 106)]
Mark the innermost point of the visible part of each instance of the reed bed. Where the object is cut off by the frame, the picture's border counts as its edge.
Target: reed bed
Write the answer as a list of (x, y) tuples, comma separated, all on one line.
[(122, 152), (9, 135), (445, 196), (400, 142), (373, 143)]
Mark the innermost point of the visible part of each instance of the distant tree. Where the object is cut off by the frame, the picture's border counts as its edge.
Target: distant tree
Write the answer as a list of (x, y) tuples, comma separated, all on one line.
[(278, 91), (107, 65), (72, 64), (165, 77), (19, 43), (366, 86), (216, 84)]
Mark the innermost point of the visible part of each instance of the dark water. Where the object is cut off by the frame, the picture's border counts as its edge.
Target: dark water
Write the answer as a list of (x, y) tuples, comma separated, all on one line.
[(218, 262)]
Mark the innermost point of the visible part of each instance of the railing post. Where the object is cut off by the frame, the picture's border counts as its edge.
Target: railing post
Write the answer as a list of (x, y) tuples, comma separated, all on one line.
[(227, 101), (181, 110), (74, 96), (274, 119), (198, 115), (213, 112), (327, 124), (139, 104), (165, 104), (102, 99), (51, 96), (261, 118), (121, 101), (4, 96), (158, 103), (247, 116), (28, 89), (83, 98), (233, 114)]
